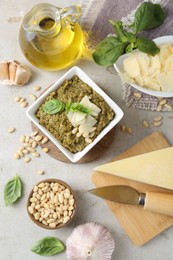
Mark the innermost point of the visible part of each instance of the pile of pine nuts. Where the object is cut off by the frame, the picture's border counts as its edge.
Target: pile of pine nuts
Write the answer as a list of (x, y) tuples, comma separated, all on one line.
[(51, 204), (29, 145), (88, 136)]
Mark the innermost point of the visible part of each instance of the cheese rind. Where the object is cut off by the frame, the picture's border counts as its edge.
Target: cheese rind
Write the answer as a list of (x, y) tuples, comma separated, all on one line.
[(155, 168)]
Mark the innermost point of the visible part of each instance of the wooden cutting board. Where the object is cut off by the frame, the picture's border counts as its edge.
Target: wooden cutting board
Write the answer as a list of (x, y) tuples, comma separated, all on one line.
[(141, 226)]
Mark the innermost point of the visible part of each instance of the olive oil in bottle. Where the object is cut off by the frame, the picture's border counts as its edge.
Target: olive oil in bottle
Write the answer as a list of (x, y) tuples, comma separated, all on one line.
[(49, 41)]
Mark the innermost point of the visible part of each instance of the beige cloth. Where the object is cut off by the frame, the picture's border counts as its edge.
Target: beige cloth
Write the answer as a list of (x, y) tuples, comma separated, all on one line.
[(95, 21)]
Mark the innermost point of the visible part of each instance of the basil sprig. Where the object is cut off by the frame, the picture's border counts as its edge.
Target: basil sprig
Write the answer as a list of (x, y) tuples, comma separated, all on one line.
[(55, 106), (12, 190), (48, 246), (147, 16)]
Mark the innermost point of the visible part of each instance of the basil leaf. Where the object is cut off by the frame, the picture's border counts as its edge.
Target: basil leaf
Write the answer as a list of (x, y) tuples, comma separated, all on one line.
[(108, 51), (53, 106), (143, 16), (119, 30), (48, 246), (77, 107), (158, 17), (146, 45), (12, 190)]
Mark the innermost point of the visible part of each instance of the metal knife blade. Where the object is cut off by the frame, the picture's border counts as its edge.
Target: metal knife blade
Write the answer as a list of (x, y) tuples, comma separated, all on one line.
[(157, 202), (120, 193)]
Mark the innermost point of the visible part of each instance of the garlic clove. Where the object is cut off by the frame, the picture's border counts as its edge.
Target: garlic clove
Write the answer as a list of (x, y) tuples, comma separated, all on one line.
[(90, 241), (22, 75), (13, 73), (4, 73)]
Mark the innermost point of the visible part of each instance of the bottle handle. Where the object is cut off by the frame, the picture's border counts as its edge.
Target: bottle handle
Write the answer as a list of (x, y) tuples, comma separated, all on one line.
[(71, 13)]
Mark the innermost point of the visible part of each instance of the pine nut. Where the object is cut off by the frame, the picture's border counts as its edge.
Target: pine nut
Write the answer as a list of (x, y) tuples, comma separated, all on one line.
[(17, 156), (66, 219), (71, 202), (30, 149), (35, 188), (34, 133), (33, 97), (145, 124), (45, 140), (66, 195), (129, 130), (137, 95), (17, 99), (122, 128), (45, 222), (74, 131), (61, 199), (52, 225), (25, 151), (22, 139), (38, 138), (157, 123), (24, 104), (37, 215), (45, 149), (34, 144), (20, 153), (31, 210), (157, 118), (47, 214), (26, 139), (162, 102), (11, 130), (41, 185), (78, 134), (27, 159), (35, 154), (37, 88), (40, 172), (88, 140), (27, 145)]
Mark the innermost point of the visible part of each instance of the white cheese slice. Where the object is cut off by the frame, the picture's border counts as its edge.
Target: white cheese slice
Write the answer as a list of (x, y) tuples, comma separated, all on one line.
[(166, 81), (76, 118), (154, 65), (154, 168), (165, 52), (86, 102), (152, 83), (131, 67), (87, 125), (143, 62)]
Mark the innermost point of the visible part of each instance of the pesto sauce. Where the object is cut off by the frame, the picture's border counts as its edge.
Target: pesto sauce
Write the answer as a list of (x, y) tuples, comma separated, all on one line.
[(59, 125)]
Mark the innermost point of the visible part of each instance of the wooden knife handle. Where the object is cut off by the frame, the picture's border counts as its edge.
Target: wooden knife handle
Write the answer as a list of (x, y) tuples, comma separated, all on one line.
[(159, 202)]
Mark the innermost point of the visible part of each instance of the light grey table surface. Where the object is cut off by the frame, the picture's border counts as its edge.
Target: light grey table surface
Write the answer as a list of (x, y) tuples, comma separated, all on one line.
[(17, 232)]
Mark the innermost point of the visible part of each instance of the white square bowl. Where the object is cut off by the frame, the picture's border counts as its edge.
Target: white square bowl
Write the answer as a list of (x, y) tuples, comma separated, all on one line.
[(74, 157)]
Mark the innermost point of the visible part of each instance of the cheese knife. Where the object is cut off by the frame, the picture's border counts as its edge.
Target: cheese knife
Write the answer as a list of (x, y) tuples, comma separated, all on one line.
[(158, 202)]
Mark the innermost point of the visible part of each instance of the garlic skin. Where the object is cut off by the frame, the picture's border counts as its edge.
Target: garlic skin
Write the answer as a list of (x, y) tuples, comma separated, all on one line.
[(14, 73), (90, 241)]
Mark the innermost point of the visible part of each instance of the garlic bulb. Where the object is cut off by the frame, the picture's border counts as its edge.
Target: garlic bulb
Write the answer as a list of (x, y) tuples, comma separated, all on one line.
[(90, 241), (13, 73)]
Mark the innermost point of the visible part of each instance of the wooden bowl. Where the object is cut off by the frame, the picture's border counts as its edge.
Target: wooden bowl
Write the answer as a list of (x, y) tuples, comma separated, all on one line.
[(38, 221)]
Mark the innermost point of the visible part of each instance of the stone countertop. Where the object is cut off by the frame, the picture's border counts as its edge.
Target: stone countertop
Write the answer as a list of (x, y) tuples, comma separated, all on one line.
[(17, 232)]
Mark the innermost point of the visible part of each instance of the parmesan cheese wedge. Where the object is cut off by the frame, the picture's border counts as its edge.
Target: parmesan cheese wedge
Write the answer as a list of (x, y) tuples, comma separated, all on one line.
[(155, 168)]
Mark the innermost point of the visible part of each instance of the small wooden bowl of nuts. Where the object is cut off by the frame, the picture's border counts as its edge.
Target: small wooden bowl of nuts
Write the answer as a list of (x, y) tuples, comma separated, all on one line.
[(51, 204)]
